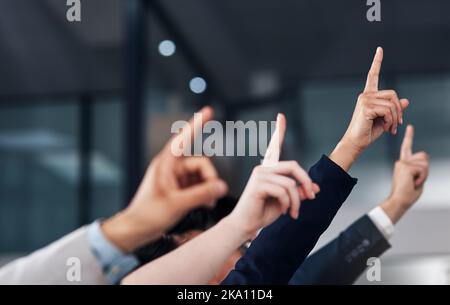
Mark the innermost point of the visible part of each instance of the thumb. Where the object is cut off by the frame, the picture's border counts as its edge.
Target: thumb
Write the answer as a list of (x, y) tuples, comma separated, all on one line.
[(201, 194)]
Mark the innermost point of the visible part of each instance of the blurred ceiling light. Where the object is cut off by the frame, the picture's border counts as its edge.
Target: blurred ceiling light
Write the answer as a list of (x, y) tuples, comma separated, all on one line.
[(167, 48), (197, 85)]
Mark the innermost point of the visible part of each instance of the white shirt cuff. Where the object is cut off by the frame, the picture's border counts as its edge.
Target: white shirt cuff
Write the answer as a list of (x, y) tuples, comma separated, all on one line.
[(382, 222)]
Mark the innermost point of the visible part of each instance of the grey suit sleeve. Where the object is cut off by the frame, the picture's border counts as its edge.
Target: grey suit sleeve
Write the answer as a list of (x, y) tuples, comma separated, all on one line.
[(68, 261), (344, 259)]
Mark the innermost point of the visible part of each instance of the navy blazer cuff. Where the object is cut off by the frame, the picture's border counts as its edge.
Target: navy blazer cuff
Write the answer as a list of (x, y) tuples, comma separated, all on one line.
[(281, 248), (327, 170)]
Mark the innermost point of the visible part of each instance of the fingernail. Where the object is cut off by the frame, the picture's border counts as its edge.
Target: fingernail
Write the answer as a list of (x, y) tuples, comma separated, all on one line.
[(395, 131), (313, 195), (401, 121)]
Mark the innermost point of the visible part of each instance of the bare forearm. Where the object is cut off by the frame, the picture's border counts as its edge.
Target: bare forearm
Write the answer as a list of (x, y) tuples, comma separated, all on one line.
[(345, 154), (127, 234), (195, 262), (394, 210)]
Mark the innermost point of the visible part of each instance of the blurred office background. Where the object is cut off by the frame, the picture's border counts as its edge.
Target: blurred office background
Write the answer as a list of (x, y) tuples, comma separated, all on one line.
[(84, 105)]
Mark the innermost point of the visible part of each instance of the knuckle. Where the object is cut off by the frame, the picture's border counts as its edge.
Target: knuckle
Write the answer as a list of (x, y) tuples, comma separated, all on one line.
[(369, 104), (257, 170), (424, 155), (280, 195), (363, 97), (205, 160), (392, 92), (421, 154), (292, 183), (293, 164)]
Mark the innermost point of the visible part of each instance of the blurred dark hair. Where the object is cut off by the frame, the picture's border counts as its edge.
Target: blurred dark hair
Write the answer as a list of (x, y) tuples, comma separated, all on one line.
[(199, 219), (155, 249), (203, 218)]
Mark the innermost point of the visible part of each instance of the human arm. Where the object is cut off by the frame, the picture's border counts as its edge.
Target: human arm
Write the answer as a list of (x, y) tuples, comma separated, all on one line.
[(271, 191), (274, 257), (344, 259)]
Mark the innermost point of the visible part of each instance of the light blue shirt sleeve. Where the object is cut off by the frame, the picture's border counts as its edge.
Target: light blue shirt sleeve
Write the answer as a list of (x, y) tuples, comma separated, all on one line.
[(115, 264)]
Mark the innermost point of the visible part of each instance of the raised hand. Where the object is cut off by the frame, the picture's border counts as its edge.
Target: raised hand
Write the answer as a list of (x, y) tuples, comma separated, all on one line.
[(410, 174), (377, 111), (274, 188), (173, 185), (271, 191)]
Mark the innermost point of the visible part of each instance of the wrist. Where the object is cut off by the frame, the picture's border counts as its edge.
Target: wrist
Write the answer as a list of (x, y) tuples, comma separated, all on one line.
[(345, 154), (244, 232), (394, 209), (124, 231)]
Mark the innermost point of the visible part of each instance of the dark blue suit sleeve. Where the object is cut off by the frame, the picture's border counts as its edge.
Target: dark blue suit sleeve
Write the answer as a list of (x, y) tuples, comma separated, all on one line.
[(344, 259), (281, 248)]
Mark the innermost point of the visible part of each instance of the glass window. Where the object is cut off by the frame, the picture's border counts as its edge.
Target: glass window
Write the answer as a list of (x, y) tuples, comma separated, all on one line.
[(39, 181)]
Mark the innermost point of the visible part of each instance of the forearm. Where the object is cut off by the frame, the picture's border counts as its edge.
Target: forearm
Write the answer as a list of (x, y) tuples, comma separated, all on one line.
[(345, 154), (393, 209), (280, 249), (126, 233), (195, 262)]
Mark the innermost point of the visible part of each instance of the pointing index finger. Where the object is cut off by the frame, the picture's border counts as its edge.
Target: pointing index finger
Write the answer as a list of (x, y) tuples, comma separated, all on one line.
[(374, 72), (192, 128), (407, 144), (276, 142)]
